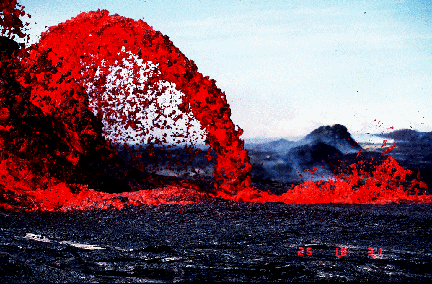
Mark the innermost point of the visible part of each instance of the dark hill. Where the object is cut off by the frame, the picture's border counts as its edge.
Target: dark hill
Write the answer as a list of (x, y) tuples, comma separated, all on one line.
[(336, 136), (324, 148), (402, 135), (408, 135)]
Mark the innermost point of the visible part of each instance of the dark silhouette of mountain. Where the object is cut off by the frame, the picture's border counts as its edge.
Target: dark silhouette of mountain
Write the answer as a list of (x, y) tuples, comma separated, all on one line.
[(286, 161), (408, 135), (402, 135), (336, 136), (327, 148), (332, 151), (273, 171), (414, 151), (427, 136)]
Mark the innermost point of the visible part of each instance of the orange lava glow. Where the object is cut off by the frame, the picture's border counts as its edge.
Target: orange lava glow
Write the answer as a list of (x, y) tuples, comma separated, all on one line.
[(52, 76), (386, 184)]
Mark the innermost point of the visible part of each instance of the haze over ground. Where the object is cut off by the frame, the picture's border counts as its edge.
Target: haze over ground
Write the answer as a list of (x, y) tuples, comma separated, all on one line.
[(288, 67)]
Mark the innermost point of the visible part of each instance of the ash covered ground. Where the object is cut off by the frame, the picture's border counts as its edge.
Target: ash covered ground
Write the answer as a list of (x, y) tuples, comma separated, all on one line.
[(218, 241)]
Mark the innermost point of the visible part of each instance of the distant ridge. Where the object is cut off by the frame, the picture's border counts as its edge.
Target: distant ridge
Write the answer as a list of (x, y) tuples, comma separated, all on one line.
[(336, 136), (408, 135)]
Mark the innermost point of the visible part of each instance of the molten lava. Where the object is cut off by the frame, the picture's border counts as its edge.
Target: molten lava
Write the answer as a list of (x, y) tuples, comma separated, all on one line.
[(58, 100), (387, 183)]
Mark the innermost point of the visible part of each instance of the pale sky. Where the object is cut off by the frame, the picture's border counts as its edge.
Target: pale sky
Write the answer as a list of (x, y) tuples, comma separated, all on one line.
[(288, 67)]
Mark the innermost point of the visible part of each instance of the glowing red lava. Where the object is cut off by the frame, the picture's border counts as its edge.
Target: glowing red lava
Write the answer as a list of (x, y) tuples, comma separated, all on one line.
[(49, 85), (386, 184)]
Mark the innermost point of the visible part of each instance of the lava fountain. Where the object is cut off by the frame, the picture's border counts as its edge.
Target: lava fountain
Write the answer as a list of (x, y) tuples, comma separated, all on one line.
[(71, 99)]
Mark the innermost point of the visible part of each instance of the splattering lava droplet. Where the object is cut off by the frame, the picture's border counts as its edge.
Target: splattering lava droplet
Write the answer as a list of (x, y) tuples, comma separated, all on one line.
[(59, 94)]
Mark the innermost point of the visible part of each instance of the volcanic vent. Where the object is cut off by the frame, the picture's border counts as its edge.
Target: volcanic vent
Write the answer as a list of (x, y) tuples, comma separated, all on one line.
[(90, 111)]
